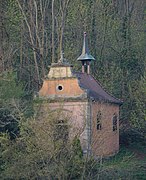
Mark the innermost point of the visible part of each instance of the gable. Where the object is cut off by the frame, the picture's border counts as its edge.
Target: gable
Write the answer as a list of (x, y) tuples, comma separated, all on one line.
[(65, 88)]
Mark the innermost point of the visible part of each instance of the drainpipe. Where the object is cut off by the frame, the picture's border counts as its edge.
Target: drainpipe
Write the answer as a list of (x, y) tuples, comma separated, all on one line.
[(89, 126)]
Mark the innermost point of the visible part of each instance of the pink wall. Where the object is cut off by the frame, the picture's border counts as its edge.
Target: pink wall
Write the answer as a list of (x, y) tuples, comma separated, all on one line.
[(105, 141), (75, 112)]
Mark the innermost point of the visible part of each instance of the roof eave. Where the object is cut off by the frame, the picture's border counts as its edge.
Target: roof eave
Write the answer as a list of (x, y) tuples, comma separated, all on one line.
[(85, 57), (104, 101)]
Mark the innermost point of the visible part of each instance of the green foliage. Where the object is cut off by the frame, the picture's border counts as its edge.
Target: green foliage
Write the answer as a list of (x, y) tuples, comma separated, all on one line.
[(13, 19), (13, 104), (124, 166), (35, 155), (9, 88), (77, 148), (117, 41)]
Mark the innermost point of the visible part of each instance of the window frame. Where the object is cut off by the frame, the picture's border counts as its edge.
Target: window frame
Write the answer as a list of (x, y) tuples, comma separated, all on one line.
[(58, 87), (98, 121), (61, 131), (115, 122)]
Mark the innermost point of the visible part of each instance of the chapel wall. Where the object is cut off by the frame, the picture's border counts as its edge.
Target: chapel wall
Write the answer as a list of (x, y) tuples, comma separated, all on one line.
[(105, 142)]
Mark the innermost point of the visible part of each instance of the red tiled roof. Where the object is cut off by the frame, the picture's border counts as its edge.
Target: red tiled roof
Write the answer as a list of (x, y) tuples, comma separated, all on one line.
[(94, 89)]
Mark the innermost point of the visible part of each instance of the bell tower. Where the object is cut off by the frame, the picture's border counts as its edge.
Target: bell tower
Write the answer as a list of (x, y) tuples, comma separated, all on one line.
[(85, 57)]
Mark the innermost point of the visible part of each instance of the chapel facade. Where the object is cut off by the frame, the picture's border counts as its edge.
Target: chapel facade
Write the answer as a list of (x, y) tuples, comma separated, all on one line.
[(93, 112)]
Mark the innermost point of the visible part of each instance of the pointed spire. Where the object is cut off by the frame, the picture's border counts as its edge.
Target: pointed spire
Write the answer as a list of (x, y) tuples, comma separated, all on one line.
[(85, 56), (85, 49)]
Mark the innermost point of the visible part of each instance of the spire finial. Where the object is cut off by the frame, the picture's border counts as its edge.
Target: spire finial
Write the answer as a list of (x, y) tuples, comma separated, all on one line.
[(85, 45), (85, 56)]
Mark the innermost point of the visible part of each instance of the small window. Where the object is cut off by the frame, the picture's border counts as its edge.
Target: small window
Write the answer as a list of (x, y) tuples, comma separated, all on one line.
[(98, 125), (61, 131), (115, 120), (59, 88)]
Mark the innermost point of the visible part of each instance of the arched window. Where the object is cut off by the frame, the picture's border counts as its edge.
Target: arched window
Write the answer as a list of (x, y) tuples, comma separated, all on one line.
[(115, 121), (98, 120), (61, 131)]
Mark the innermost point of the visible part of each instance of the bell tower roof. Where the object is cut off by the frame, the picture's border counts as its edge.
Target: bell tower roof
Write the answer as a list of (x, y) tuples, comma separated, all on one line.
[(85, 56)]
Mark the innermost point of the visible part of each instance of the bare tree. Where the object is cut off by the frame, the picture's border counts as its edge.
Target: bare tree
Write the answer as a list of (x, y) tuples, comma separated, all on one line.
[(63, 9), (53, 27), (35, 22)]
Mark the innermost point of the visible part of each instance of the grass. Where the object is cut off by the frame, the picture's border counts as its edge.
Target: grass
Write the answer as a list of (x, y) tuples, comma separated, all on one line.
[(128, 164)]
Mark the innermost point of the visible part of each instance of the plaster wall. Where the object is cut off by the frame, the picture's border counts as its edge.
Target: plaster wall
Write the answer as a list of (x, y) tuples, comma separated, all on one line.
[(104, 142), (70, 88), (81, 114), (59, 72), (76, 114)]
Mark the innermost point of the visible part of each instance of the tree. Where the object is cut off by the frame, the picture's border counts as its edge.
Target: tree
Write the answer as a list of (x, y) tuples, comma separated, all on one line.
[(34, 32), (13, 104), (35, 155)]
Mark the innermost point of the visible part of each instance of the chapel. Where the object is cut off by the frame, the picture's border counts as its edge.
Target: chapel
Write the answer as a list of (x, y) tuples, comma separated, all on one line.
[(93, 112)]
